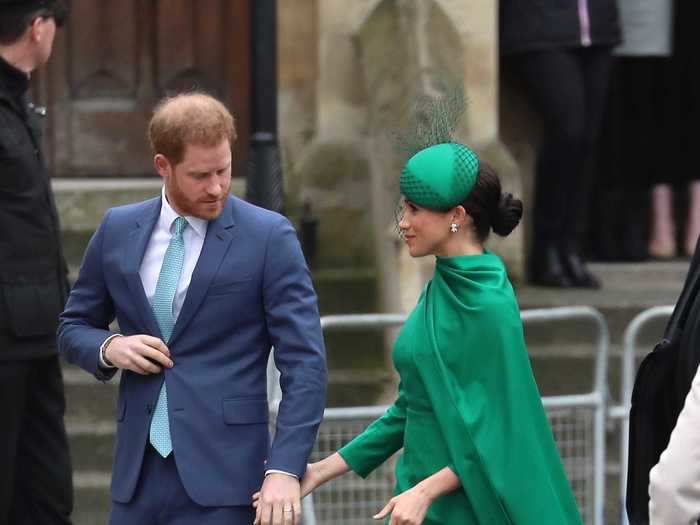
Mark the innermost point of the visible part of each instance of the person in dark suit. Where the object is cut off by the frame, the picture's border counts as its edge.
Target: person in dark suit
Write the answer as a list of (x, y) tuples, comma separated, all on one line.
[(561, 54), (35, 465), (202, 285)]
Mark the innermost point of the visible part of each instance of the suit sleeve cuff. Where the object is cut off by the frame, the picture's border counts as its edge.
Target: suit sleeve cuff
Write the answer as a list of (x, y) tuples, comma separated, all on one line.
[(273, 471)]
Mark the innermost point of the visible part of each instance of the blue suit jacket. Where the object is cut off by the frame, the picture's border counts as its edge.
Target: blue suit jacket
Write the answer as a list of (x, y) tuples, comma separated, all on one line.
[(250, 290)]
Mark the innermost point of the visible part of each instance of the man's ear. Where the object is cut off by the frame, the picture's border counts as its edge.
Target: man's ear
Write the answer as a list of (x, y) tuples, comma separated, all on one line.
[(36, 29), (162, 165)]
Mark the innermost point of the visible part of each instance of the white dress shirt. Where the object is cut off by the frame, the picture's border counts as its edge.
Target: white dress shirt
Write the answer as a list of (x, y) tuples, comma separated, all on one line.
[(193, 237), (674, 483)]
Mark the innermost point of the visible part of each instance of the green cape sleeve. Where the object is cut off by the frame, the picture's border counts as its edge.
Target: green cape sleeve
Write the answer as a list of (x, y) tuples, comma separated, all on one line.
[(475, 368), (380, 440)]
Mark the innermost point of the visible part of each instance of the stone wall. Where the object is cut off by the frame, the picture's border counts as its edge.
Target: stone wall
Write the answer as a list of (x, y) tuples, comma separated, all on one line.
[(349, 73)]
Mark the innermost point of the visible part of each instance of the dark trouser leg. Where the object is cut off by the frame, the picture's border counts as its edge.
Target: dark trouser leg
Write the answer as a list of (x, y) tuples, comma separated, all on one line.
[(44, 486), (554, 84), (568, 87), (161, 499), (14, 379), (595, 65)]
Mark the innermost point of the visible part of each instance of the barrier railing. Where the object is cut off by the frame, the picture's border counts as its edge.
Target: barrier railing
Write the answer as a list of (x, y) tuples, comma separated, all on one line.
[(629, 368), (578, 424)]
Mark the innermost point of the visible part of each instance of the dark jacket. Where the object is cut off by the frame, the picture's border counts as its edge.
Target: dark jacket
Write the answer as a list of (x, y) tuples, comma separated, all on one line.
[(660, 388), (535, 25), (33, 284)]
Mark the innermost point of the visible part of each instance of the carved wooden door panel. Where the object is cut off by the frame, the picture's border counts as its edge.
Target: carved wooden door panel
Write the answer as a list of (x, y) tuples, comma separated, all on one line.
[(117, 58)]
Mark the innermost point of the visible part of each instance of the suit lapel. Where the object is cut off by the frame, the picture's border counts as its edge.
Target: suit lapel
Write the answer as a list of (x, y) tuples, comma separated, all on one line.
[(216, 244), (137, 242)]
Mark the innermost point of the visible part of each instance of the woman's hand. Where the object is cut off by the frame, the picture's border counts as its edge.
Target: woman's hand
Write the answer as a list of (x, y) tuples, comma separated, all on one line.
[(408, 508), (311, 480), (411, 507)]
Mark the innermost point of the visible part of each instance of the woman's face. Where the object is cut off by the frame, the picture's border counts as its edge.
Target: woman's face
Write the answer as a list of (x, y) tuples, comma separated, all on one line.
[(424, 231)]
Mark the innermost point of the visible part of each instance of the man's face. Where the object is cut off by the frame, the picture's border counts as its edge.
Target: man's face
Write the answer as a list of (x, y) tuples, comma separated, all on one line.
[(200, 184)]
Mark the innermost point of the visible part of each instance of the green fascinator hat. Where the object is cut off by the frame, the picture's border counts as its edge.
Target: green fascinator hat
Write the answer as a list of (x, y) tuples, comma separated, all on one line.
[(441, 176)]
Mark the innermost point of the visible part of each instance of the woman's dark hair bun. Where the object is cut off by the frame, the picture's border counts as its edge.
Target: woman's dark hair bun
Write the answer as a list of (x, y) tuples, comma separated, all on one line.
[(489, 207), (508, 214)]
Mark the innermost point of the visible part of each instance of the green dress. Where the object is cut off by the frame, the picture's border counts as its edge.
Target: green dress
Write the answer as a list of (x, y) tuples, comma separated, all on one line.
[(468, 400)]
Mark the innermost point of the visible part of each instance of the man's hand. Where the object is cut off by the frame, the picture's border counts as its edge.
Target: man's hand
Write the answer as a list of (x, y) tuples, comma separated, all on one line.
[(279, 502), (142, 354), (408, 508)]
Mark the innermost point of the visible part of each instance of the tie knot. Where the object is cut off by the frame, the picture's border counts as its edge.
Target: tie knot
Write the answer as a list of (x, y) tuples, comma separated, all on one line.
[(180, 225)]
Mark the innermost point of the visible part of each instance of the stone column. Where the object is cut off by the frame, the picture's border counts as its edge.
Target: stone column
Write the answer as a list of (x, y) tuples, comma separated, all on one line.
[(476, 22), (331, 172)]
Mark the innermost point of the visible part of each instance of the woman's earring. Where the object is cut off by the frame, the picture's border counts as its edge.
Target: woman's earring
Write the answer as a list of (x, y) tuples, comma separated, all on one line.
[(454, 227)]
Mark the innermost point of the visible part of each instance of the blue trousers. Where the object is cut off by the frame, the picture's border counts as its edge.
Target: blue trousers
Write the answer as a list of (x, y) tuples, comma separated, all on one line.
[(160, 499)]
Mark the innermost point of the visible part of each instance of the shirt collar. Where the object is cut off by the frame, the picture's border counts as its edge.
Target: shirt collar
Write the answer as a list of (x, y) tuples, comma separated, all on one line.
[(168, 216)]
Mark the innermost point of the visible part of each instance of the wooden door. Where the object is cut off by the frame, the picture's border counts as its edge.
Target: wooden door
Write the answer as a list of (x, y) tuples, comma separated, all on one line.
[(116, 58)]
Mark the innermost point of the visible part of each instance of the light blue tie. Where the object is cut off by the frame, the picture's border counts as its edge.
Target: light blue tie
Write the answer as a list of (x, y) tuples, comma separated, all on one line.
[(163, 309)]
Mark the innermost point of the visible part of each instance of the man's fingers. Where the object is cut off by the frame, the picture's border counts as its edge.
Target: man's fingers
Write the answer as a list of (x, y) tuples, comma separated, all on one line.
[(287, 516), (386, 510), (297, 513), (265, 513), (256, 521), (142, 354), (288, 513), (144, 364), (154, 355), (277, 514), (137, 370), (155, 343), (134, 366)]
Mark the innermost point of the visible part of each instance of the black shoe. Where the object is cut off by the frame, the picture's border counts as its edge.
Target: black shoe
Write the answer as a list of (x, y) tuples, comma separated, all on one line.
[(578, 273), (547, 269)]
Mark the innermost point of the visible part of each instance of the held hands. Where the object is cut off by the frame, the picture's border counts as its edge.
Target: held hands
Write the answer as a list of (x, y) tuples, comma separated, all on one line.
[(316, 474), (309, 482), (278, 502), (408, 508), (142, 354)]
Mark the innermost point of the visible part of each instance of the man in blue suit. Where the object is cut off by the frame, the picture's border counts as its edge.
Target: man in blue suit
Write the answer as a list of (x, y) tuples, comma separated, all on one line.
[(202, 285)]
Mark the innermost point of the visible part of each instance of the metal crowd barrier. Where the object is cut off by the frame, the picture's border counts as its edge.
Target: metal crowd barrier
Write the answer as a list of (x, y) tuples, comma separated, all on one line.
[(622, 411), (578, 423)]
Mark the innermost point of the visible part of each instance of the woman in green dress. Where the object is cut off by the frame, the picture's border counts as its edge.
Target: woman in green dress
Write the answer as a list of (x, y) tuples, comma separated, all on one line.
[(477, 446)]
